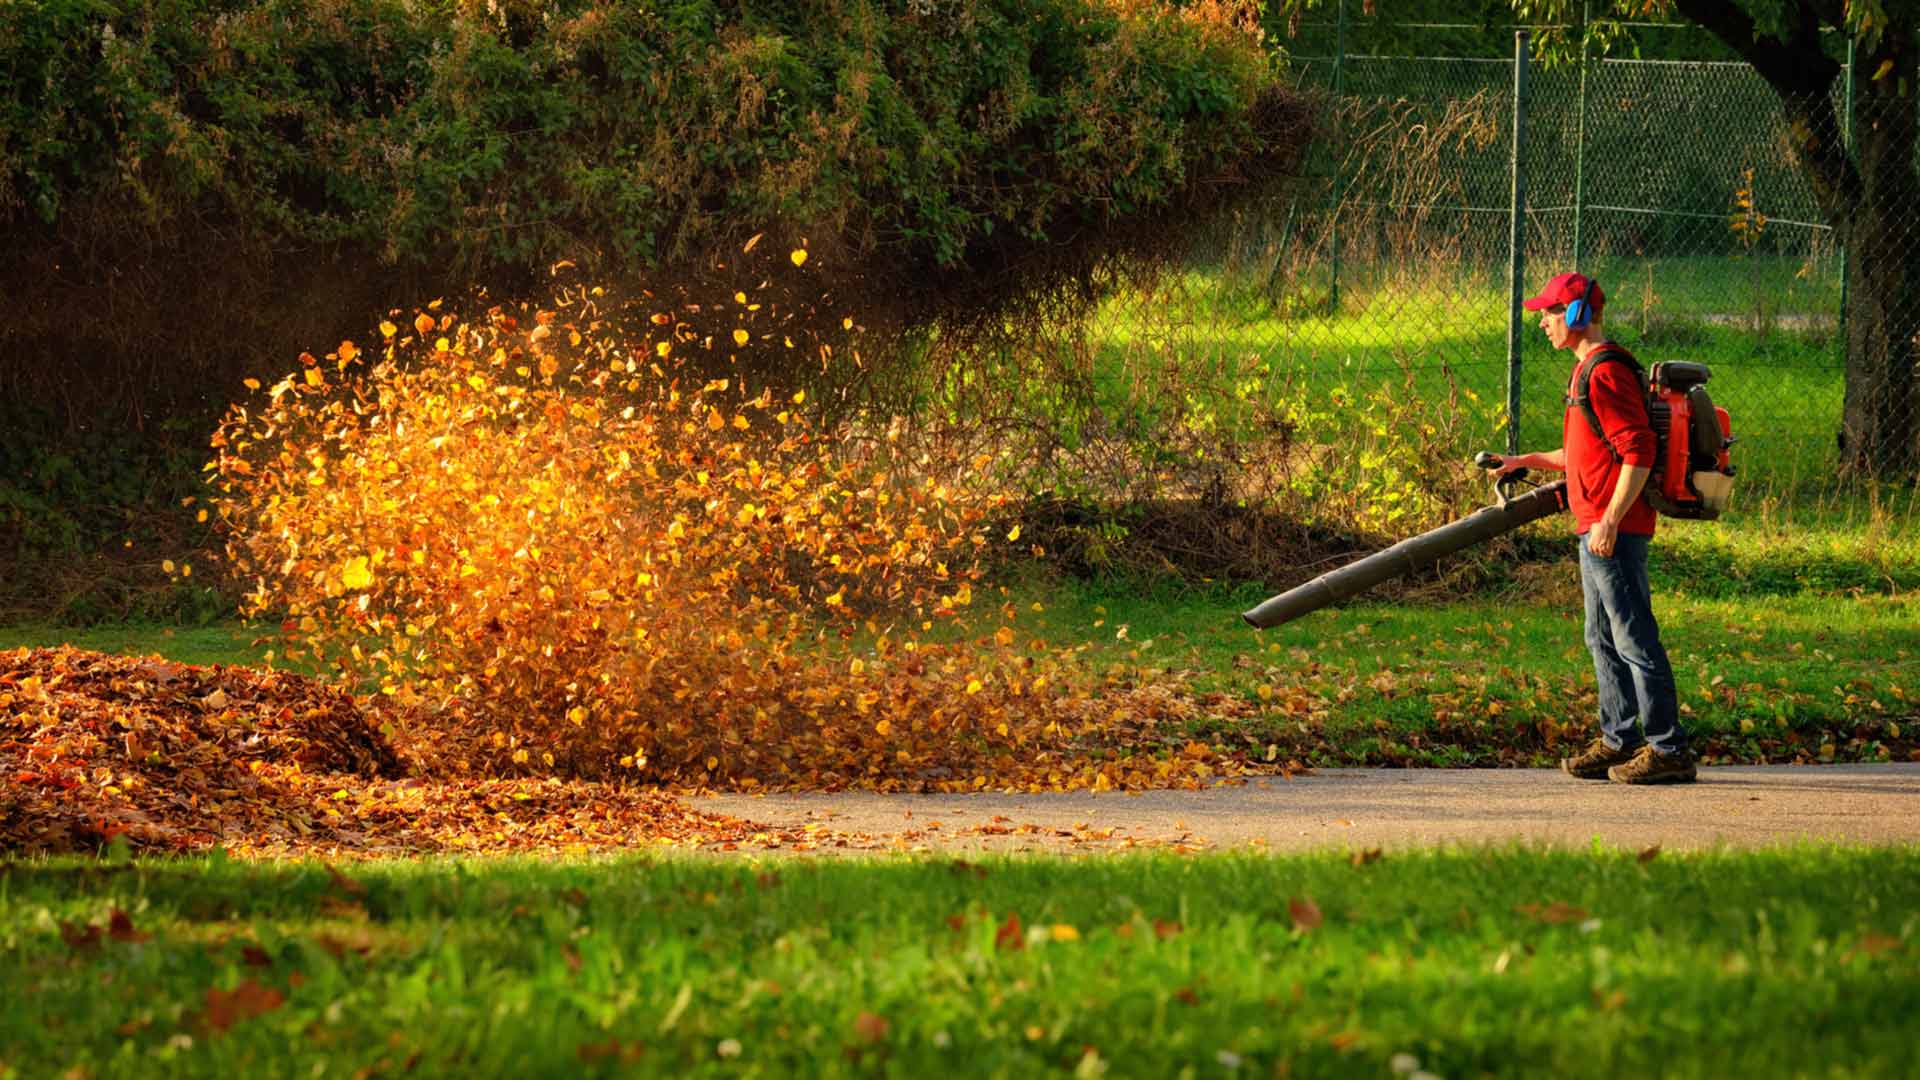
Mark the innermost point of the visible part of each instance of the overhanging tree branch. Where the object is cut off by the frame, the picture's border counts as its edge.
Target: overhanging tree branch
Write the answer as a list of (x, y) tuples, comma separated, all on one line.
[(1801, 73)]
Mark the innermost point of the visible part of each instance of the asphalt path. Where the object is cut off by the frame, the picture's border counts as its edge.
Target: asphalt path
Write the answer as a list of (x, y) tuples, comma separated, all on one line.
[(1366, 809)]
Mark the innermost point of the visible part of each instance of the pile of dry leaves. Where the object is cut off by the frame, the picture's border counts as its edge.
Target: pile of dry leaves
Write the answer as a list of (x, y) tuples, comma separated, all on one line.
[(177, 757)]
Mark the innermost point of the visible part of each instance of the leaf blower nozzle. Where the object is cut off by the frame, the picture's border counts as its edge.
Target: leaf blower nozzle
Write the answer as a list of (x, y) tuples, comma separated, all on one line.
[(1411, 555)]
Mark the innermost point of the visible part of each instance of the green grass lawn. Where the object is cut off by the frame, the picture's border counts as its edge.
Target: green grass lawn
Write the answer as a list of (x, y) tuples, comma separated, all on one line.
[(1498, 962), (1765, 329)]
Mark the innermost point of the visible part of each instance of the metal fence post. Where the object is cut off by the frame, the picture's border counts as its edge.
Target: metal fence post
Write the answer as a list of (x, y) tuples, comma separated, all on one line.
[(1580, 138), (1846, 140), (1516, 239), (1339, 180)]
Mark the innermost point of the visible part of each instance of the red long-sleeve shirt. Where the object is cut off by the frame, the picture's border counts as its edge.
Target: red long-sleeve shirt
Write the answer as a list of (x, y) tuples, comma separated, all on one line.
[(1593, 471)]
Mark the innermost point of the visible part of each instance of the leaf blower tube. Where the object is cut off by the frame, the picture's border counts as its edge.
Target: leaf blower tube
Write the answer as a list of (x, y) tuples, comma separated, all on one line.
[(1412, 554)]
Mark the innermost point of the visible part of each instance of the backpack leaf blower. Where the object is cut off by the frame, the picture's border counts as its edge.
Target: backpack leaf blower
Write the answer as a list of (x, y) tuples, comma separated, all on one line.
[(1692, 478)]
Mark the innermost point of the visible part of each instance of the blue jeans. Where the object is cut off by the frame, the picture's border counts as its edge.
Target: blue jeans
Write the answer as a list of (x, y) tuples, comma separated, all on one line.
[(1637, 699)]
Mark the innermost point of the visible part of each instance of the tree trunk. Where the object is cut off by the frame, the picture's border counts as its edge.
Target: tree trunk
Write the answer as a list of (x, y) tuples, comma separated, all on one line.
[(1880, 424), (1869, 193)]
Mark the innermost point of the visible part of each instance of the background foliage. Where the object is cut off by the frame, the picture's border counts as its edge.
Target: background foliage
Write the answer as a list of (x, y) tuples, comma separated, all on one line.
[(197, 190)]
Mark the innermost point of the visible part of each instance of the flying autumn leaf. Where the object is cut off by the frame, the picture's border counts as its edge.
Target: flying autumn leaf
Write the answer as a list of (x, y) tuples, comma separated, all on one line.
[(356, 574)]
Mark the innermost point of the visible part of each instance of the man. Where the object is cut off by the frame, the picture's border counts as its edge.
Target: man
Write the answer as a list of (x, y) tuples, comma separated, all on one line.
[(1641, 740)]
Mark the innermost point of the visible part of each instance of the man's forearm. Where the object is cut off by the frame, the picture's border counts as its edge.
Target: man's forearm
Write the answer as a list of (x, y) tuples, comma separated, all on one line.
[(1625, 491)]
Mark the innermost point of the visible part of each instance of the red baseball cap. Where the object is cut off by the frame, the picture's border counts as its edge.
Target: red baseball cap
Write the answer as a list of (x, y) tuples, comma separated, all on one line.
[(1565, 289)]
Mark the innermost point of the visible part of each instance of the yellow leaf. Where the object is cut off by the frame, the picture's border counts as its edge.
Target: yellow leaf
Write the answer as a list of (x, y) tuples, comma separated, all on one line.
[(1013, 533), (166, 565), (356, 574), (751, 240), (884, 727), (577, 714), (316, 377), (387, 329), (739, 298), (836, 599), (799, 396), (662, 349), (739, 336), (201, 516), (799, 256), (1064, 932), (1881, 72), (973, 686)]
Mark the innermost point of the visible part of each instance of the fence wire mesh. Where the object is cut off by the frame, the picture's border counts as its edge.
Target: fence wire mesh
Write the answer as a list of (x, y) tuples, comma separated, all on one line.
[(1673, 183)]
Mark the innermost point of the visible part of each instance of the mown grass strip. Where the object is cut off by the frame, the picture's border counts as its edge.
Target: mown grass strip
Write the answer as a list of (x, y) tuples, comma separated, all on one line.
[(1499, 962)]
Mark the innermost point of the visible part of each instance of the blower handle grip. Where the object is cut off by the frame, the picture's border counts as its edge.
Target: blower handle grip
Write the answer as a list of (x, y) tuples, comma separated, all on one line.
[(1502, 486)]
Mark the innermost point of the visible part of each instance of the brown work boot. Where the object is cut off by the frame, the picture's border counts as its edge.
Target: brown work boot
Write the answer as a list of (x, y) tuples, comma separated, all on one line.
[(1593, 762), (1651, 767)]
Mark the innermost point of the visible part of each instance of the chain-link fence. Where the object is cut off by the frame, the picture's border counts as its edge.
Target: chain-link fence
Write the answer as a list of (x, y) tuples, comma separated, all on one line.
[(1444, 190)]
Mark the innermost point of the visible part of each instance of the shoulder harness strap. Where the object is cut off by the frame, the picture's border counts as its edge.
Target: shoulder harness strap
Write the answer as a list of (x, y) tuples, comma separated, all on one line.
[(1583, 388)]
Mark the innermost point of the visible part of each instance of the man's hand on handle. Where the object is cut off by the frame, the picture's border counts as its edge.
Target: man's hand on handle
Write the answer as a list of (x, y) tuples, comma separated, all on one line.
[(1510, 462), (1552, 461)]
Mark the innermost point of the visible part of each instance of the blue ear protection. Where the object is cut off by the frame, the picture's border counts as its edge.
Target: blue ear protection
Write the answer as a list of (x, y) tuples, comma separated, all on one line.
[(1580, 312)]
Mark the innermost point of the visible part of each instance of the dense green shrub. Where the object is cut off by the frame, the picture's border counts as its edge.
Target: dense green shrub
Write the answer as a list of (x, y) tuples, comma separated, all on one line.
[(635, 133)]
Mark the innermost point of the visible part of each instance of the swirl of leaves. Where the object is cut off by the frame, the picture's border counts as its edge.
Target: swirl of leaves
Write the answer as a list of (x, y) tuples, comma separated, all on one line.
[(577, 551)]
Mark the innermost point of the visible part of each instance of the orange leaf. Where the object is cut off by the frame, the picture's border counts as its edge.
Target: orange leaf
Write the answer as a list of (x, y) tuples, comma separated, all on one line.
[(1557, 912), (870, 1027), (1306, 913), (228, 1007), (1010, 937), (120, 928)]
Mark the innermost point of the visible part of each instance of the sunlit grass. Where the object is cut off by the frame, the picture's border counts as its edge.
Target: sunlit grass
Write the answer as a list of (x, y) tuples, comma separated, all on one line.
[(1763, 326), (1794, 961)]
